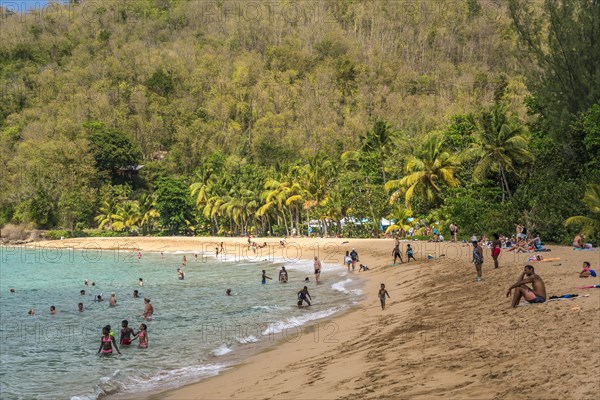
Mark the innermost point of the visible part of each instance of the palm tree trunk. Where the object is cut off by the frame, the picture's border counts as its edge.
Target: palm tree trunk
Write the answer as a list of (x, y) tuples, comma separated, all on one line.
[(382, 164), (504, 182)]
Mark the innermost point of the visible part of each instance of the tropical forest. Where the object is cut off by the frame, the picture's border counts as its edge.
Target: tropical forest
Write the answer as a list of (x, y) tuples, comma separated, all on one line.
[(279, 118)]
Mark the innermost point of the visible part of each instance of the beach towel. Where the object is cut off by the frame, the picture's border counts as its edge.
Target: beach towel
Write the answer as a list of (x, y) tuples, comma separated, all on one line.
[(597, 286), (557, 298), (580, 249), (546, 259)]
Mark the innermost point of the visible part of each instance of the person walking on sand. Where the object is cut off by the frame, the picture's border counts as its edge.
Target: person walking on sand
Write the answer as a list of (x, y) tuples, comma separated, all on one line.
[(283, 275), (317, 266), (348, 260), (303, 296), (382, 293), (409, 253), (496, 248), (477, 259), (264, 277), (536, 294), (396, 252), (148, 310), (354, 258)]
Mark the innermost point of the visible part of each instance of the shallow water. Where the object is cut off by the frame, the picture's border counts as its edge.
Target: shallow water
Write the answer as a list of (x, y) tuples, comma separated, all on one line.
[(197, 330)]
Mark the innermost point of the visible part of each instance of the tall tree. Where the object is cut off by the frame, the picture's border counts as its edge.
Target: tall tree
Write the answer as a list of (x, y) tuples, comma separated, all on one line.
[(562, 39), (426, 173), (501, 144)]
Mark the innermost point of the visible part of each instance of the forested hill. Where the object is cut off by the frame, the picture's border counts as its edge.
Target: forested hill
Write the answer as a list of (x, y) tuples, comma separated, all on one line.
[(243, 97)]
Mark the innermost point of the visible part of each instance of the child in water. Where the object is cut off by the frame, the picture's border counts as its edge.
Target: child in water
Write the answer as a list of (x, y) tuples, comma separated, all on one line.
[(264, 277), (126, 333), (142, 335), (106, 342)]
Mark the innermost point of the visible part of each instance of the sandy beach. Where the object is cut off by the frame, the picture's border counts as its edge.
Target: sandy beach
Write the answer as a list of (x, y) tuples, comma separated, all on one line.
[(441, 335)]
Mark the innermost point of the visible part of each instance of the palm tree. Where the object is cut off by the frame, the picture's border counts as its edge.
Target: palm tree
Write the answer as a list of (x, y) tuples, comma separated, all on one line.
[(109, 214), (401, 217), (148, 211), (592, 201), (501, 144), (426, 172)]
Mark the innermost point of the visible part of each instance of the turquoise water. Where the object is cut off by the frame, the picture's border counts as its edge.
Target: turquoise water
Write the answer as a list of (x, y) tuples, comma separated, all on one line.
[(197, 330)]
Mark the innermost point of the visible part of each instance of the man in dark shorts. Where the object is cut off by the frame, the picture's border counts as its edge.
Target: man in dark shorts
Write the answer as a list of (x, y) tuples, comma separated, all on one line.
[(302, 296), (537, 294)]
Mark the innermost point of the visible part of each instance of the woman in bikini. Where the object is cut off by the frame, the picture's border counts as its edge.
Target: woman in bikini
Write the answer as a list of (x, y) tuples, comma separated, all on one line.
[(142, 335), (148, 310), (107, 342)]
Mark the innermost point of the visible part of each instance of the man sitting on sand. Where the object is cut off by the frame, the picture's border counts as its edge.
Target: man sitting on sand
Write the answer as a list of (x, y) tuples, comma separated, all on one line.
[(535, 295)]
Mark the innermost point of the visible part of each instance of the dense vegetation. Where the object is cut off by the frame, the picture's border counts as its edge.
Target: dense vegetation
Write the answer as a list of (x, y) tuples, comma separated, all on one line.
[(259, 117)]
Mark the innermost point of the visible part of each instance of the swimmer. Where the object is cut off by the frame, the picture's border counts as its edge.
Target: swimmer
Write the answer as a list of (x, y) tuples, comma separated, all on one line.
[(93, 283), (113, 300), (53, 310), (85, 282), (195, 256), (126, 332), (98, 298), (140, 282), (306, 279), (136, 294), (148, 310), (228, 292), (139, 255), (264, 277), (82, 292), (181, 274), (107, 342), (31, 311), (80, 307), (162, 255), (183, 261), (12, 290), (142, 335)]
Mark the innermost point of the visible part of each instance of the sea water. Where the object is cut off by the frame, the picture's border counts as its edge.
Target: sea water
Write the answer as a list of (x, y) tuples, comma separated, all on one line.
[(197, 330)]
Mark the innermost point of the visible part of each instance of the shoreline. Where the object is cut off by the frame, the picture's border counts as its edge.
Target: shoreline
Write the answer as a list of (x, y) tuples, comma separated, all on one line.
[(440, 335)]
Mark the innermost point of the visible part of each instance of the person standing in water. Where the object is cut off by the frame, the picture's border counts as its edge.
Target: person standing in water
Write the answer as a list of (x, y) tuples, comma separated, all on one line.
[(382, 293), (303, 296), (141, 282), (264, 277), (148, 310), (348, 260), (181, 274), (107, 342), (283, 275), (126, 333), (113, 300), (317, 265), (183, 262), (142, 335)]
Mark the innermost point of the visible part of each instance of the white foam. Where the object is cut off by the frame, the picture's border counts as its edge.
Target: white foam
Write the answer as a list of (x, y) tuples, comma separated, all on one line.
[(294, 322), (341, 285), (248, 339), (171, 379), (221, 350)]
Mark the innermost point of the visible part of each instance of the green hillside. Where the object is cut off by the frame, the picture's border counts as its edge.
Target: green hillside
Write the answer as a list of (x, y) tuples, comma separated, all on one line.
[(260, 116)]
